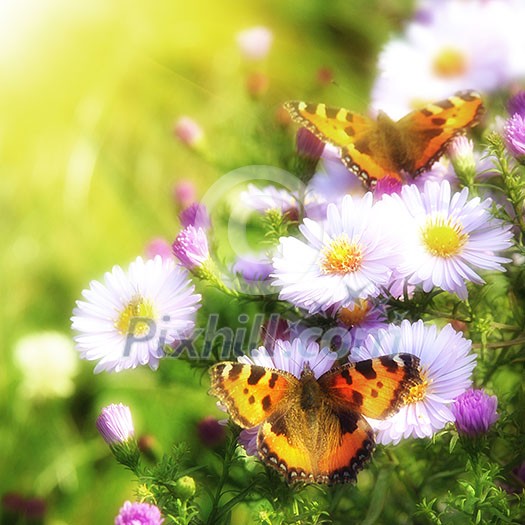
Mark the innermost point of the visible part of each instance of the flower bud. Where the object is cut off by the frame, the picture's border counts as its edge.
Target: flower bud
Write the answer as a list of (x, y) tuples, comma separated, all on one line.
[(191, 247), (116, 427), (188, 132), (475, 412), (195, 215), (184, 487), (210, 431)]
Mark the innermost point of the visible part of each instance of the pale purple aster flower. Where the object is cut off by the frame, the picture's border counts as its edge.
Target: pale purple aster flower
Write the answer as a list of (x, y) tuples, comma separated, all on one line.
[(191, 247), (115, 424), (475, 412), (188, 131), (444, 238), (139, 514), (270, 198), (517, 104), (255, 42), (514, 133), (290, 356), (446, 368), (253, 268), (344, 259), (159, 247), (126, 320), (196, 215), (248, 440)]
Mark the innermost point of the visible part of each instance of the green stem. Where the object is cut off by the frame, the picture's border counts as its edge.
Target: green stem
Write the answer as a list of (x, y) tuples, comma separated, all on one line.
[(215, 513)]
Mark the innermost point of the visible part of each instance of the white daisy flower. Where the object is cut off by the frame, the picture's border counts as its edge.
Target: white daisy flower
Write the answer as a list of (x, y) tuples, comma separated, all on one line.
[(446, 369), (456, 45), (444, 238), (342, 260), (290, 357), (126, 321)]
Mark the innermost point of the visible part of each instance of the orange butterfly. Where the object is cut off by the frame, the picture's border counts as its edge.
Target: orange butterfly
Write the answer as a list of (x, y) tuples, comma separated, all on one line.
[(312, 430), (376, 149)]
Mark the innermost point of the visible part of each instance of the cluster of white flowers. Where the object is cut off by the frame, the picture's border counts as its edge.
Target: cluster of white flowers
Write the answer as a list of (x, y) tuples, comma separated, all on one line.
[(449, 46), (430, 237)]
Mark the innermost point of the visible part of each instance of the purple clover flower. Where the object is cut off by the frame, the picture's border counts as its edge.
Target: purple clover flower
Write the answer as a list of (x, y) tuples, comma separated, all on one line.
[(195, 215), (514, 132), (475, 412), (191, 247), (115, 424), (138, 514)]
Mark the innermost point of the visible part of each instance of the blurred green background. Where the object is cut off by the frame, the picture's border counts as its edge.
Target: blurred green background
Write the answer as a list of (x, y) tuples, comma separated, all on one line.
[(89, 93)]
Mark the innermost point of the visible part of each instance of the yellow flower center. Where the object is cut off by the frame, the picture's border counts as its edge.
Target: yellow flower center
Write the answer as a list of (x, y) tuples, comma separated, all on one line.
[(354, 315), (341, 256), (449, 63), (443, 238), (417, 392), (133, 319)]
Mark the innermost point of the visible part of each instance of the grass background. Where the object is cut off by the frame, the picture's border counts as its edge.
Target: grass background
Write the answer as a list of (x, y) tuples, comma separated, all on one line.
[(89, 92)]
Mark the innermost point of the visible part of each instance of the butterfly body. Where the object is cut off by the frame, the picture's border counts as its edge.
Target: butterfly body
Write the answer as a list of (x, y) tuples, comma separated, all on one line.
[(374, 149), (311, 429)]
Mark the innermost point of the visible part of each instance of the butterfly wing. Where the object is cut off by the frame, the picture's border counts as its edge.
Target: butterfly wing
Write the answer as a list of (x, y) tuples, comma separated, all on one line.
[(329, 448), (376, 388), (348, 447), (350, 132), (251, 393), (428, 131)]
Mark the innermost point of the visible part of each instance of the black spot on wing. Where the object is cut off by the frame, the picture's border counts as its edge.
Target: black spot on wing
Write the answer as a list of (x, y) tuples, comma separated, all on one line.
[(438, 121), (366, 369), (256, 374), (430, 133), (345, 374), (311, 108), (331, 112), (273, 380), (445, 104), (363, 146), (278, 426), (235, 372), (349, 130), (389, 363), (266, 403), (426, 112), (468, 96), (357, 398), (251, 400), (348, 421)]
